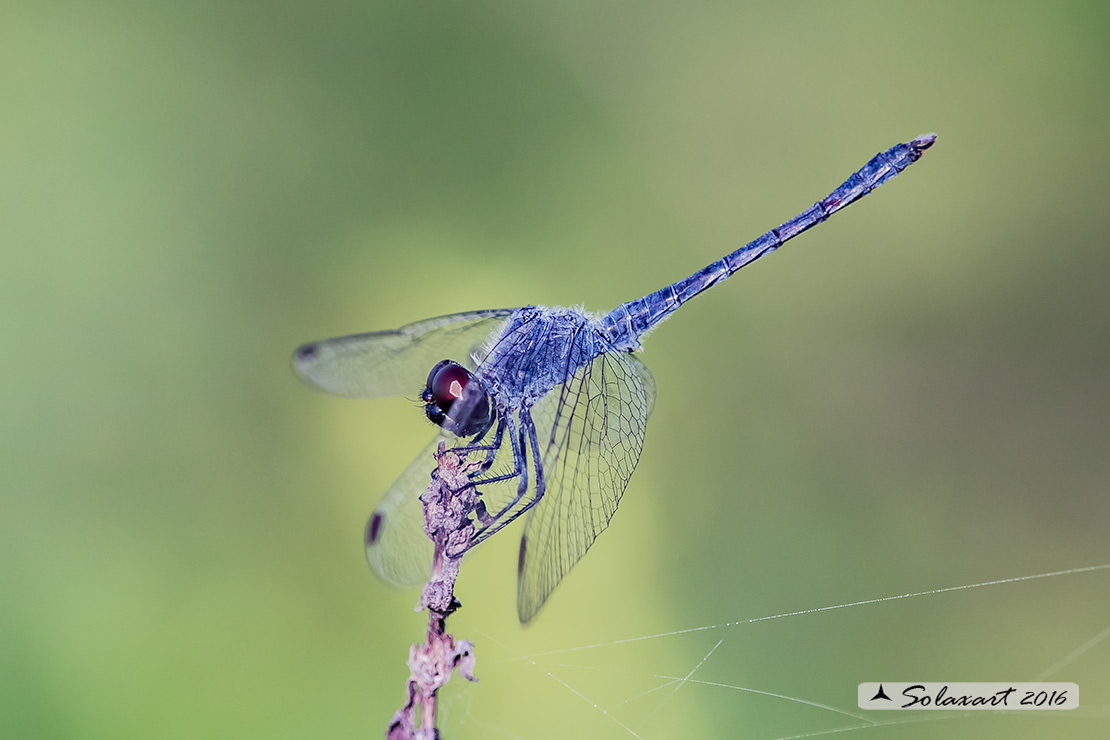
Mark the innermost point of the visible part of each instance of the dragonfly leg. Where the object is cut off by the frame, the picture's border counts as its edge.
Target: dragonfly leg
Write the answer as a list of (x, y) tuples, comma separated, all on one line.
[(493, 448), (520, 462), (490, 449), (519, 444), (482, 514), (526, 426), (520, 455)]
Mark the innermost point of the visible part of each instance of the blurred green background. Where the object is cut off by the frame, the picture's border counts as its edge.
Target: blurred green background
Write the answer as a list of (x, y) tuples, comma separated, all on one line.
[(913, 396)]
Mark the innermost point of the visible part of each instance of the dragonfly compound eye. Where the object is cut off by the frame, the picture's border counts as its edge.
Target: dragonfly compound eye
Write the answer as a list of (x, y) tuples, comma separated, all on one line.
[(454, 399)]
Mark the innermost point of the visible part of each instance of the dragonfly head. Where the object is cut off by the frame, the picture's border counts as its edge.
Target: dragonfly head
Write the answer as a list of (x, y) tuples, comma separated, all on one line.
[(455, 400)]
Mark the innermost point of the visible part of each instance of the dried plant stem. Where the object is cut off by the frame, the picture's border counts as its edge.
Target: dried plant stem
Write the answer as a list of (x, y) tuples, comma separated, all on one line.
[(448, 503)]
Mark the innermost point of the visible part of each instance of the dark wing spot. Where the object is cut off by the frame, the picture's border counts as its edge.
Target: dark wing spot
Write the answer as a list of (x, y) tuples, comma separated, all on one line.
[(523, 552), (374, 528)]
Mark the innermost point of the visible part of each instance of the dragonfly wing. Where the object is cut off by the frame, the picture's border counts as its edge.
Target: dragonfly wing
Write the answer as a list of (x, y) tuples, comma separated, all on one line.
[(396, 546), (590, 432), (389, 363)]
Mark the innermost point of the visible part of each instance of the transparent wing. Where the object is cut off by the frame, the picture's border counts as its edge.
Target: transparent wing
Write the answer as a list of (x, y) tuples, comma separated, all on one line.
[(389, 363), (396, 546), (590, 432)]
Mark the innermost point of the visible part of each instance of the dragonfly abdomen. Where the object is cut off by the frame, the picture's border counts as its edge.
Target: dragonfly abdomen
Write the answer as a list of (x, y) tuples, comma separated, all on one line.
[(626, 325)]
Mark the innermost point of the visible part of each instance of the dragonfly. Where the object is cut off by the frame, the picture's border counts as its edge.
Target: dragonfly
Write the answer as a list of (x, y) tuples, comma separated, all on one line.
[(554, 402)]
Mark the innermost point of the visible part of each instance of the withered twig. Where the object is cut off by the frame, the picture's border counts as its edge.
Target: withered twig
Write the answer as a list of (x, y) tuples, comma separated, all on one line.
[(448, 503)]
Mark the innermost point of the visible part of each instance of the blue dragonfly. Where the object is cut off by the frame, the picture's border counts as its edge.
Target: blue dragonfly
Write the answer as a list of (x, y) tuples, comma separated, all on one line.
[(553, 399)]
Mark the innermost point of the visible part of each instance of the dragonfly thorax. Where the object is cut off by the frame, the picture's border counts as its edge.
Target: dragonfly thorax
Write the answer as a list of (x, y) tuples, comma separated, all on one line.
[(537, 349)]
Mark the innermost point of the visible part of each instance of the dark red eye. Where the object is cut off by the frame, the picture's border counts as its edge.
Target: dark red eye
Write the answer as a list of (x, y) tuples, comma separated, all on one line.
[(447, 383), (455, 400)]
